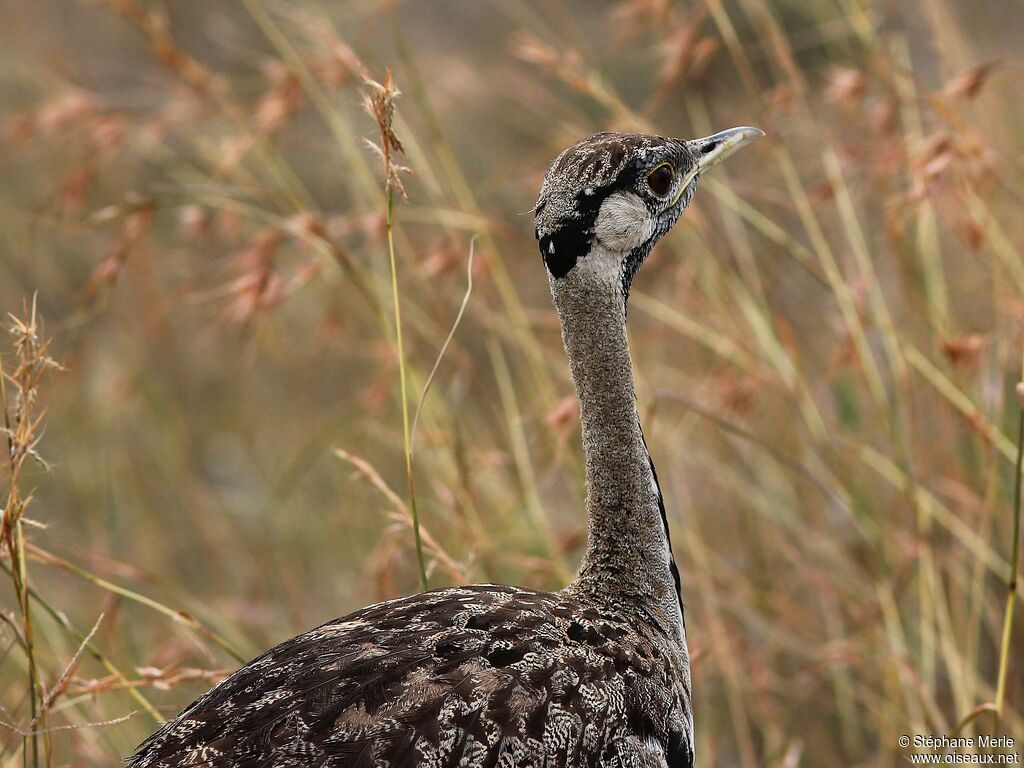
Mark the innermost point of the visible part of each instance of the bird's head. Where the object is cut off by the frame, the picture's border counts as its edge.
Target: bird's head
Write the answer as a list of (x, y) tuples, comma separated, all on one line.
[(607, 199)]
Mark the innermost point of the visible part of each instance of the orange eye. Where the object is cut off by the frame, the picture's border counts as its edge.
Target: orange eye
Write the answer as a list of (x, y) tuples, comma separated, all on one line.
[(660, 179)]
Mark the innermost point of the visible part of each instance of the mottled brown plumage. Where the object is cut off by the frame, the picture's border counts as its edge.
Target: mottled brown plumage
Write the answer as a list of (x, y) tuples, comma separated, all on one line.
[(596, 674), (492, 675)]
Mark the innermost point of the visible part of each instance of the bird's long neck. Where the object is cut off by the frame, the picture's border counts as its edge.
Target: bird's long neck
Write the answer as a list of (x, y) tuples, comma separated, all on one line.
[(629, 557)]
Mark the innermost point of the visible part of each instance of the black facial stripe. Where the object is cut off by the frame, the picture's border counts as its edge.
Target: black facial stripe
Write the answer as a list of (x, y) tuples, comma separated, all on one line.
[(562, 248), (631, 264), (635, 258)]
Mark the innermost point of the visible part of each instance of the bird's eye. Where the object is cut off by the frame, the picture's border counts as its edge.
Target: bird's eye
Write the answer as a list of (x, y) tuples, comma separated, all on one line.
[(660, 179)]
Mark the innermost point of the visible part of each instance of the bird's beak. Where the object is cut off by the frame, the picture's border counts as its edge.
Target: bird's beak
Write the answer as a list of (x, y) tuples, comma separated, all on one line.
[(711, 150)]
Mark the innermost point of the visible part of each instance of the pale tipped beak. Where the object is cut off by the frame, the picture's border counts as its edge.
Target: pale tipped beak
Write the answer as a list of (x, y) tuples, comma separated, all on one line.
[(711, 150)]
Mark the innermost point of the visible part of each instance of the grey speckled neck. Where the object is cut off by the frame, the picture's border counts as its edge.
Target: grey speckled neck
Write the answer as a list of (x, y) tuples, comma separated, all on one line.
[(628, 559)]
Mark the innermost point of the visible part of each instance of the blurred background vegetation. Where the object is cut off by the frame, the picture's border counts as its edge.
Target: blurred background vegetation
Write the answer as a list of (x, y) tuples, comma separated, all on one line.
[(827, 346)]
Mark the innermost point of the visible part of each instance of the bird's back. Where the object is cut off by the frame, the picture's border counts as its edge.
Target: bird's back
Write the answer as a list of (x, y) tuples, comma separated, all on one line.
[(471, 676)]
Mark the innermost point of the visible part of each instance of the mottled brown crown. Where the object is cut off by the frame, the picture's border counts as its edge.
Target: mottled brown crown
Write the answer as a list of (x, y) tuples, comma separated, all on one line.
[(604, 160)]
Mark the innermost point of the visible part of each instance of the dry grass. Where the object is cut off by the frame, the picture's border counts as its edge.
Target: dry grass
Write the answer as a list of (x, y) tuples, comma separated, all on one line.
[(828, 346)]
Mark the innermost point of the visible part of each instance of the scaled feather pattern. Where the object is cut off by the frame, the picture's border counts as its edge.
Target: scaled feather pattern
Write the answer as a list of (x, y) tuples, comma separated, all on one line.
[(472, 676)]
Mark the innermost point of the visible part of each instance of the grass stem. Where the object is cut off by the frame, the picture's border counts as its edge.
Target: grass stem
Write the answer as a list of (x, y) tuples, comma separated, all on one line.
[(403, 394), (1014, 574)]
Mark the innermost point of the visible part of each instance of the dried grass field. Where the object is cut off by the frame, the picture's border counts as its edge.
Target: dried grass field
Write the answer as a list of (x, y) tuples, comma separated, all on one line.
[(210, 417)]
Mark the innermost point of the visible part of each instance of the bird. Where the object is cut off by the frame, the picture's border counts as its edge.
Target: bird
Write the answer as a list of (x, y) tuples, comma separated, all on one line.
[(497, 676)]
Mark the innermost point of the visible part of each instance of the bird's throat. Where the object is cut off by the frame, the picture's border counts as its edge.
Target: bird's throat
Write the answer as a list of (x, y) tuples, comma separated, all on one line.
[(628, 557)]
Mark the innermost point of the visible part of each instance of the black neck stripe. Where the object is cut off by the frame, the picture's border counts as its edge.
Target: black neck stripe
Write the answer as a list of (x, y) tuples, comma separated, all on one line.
[(673, 568)]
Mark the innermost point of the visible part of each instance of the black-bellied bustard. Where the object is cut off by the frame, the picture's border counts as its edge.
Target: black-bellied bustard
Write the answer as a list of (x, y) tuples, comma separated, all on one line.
[(596, 674)]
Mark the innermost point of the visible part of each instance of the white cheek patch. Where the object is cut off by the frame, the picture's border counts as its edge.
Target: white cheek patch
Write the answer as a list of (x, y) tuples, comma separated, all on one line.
[(623, 222)]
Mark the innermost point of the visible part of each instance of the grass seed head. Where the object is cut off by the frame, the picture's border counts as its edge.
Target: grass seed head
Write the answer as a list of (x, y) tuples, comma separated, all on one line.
[(379, 102)]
